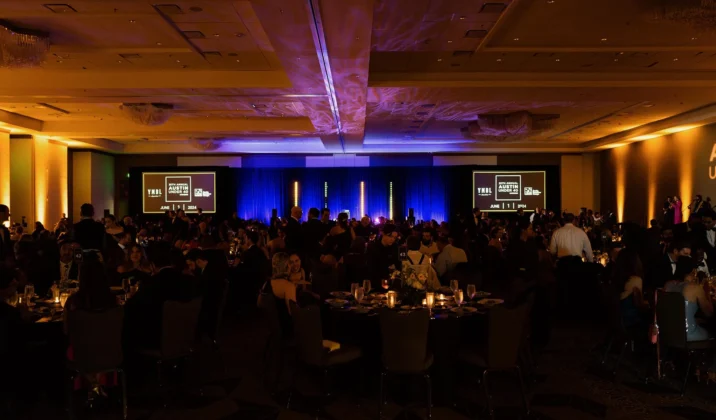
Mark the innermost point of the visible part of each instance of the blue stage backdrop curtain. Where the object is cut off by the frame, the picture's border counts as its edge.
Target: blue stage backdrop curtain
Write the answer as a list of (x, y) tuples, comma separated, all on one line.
[(425, 189), (258, 191)]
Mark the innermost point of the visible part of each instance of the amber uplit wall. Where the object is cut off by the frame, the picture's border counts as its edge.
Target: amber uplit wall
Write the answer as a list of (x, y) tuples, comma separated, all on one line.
[(637, 178)]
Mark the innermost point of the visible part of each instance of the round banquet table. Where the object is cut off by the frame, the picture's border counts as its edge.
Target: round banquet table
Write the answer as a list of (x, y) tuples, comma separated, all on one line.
[(448, 330)]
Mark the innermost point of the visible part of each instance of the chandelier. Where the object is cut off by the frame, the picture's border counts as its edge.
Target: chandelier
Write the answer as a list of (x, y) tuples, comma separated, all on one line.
[(22, 47), (206, 144), (147, 114)]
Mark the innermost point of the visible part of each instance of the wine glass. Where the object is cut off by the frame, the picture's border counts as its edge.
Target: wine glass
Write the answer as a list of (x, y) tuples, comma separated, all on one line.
[(358, 294), (63, 299), (459, 297), (454, 285), (29, 293), (366, 286), (354, 286), (471, 291), (385, 283)]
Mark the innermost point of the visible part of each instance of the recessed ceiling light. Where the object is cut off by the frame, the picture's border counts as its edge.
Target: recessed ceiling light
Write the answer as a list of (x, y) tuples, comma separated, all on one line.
[(550, 1), (238, 61), (516, 39), (59, 61), (132, 21), (462, 17), (621, 52), (449, 42), (216, 35), (604, 39), (499, 59), (556, 59), (159, 43), (676, 59), (119, 61), (440, 59), (178, 61), (616, 59), (240, 34), (694, 39)]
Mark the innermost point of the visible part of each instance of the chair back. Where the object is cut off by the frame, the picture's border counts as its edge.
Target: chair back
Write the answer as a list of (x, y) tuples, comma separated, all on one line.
[(671, 318), (269, 313), (405, 340), (96, 339), (307, 329), (219, 315), (505, 335), (179, 322)]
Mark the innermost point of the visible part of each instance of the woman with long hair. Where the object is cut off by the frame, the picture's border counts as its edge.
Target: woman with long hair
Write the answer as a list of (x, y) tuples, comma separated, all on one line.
[(136, 267), (676, 205), (340, 237), (628, 282)]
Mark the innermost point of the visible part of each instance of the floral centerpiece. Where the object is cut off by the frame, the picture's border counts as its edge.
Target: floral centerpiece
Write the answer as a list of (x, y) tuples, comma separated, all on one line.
[(413, 284)]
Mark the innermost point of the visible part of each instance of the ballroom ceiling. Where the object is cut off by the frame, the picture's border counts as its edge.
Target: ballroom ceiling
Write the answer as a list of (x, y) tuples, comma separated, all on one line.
[(361, 76)]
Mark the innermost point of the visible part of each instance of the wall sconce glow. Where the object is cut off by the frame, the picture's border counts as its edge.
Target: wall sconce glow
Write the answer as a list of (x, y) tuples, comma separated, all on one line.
[(362, 199), (390, 202), (325, 195), (645, 137), (295, 193), (620, 156), (679, 129)]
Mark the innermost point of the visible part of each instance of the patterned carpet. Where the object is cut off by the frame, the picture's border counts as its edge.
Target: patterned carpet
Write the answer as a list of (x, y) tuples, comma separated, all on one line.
[(569, 383)]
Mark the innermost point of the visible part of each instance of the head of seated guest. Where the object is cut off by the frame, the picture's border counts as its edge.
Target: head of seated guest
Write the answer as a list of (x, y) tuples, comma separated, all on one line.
[(196, 261), (94, 293)]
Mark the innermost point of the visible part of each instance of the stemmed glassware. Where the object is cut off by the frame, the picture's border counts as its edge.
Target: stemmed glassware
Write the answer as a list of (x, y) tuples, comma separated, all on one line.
[(471, 291), (459, 297), (367, 286), (358, 294), (454, 285)]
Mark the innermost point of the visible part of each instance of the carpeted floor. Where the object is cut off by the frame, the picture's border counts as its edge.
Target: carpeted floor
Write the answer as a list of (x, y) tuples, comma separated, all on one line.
[(569, 383)]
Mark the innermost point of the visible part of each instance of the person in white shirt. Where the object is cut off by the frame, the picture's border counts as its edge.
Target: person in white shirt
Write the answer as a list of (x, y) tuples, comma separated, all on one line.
[(449, 257), (570, 241), (428, 245)]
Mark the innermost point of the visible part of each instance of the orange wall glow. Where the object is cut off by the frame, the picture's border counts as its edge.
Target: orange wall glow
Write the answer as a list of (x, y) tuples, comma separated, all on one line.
[(5, 168), (620, 155)]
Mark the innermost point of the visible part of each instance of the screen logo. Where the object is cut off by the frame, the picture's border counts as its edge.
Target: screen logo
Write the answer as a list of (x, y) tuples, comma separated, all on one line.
[(154, 192), (178, 189), (509, 187), (484, 191), (198, 192)]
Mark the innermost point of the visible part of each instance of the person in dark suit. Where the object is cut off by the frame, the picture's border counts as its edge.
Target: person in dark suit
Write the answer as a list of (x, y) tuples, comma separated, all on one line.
[(313, 232), (89, 233), (326, 219), (180, 226), (212, 282), (666, 269), (117, 254), (143, 311), (67, 269), (254, 263), (294, 235), (6, 253), (708, 238)]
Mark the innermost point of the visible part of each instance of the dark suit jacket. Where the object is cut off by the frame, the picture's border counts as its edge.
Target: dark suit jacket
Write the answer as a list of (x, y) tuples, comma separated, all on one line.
[(294, 235), (74, 271), (313, 232), (6, 251), (663, 272), (255, 268), (143, 312), (89, 234)]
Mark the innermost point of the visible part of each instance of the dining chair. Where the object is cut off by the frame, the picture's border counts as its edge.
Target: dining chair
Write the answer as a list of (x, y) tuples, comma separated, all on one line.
[(178, 335), (405, 350), (275, 343), (670, 315), (617, 334), (505, 326), (308, 332), (96, 342)]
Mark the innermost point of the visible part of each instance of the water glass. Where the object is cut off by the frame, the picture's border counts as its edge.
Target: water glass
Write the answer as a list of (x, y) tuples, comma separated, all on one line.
[(366, 286), (471, 291), (63, 299), (392, 298), (354, 286), (459, 297), (454, 285), (385, 283), (29, 292), (358, 294), (430, 300)]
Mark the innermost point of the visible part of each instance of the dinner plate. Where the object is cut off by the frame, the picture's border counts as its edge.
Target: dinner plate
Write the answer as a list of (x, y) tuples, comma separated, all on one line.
[(406, 307), (468, 309), (340, 294), (336, 302), (482, 294), (490, 302)]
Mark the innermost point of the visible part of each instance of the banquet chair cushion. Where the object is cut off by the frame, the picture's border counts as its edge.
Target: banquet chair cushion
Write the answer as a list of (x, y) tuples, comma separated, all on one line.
[(426, 366), (474, 356), (346, 354)]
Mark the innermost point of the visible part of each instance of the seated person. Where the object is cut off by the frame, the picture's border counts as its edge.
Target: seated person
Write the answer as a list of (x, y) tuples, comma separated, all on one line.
[(417, 269), (296, 273), (628, 276), (137, 267), (143, 311), (696, 297)]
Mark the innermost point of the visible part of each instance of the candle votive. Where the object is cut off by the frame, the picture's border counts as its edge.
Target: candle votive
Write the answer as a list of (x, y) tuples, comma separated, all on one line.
[(430, 299), (56, 294), (392, 298)]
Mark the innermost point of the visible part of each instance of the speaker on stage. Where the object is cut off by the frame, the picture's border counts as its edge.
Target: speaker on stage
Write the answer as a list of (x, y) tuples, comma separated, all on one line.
[(274, 213)]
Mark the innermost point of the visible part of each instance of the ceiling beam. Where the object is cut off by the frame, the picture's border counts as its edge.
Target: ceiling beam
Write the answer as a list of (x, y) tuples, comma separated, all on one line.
[(198, 126), (553, 80), (97, 143), (700, 116), (600, 49), (20, 121), (13, 82), (501, 21)]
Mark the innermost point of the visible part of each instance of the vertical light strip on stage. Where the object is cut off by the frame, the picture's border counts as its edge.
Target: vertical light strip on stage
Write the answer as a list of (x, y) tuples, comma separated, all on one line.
[(362, 200), (295, 193), (390, 201), (325, 195)]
